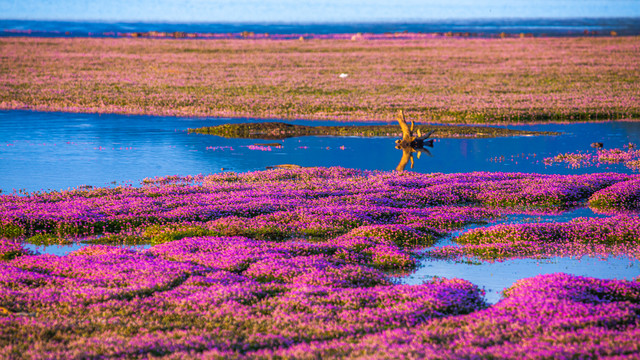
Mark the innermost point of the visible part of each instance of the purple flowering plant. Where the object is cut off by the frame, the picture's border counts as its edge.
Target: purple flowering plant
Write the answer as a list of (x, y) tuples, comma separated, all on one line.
[(299, 264)]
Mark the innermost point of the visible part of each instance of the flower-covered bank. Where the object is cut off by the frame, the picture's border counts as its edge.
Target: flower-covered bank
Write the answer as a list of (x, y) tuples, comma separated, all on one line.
[(300, 264), (447, 80)]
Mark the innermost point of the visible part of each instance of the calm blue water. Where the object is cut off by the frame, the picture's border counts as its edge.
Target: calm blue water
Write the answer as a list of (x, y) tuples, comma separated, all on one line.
[(495, 277), (543, 26), (42, 151)]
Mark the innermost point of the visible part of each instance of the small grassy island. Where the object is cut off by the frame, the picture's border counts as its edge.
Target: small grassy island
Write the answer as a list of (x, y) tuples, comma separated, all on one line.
[(279, 130)]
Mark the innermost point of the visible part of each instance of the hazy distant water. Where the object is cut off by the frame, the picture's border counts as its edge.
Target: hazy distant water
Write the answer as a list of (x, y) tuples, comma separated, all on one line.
[(548, 27)]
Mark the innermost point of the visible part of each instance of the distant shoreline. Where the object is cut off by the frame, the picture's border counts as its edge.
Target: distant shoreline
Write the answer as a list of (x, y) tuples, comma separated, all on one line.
[(571, 27)]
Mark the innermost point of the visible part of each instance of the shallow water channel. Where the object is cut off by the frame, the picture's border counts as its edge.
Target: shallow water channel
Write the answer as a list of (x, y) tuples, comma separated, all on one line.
[(493, 277), (53, 151)]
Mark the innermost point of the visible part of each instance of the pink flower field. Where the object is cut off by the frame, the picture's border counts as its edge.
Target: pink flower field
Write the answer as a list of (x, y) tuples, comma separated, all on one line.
[(434, 79), (303, 264)]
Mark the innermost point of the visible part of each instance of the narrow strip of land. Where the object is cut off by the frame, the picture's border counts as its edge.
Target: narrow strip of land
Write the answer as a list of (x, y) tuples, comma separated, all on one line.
[(279, 130), (434, 80)]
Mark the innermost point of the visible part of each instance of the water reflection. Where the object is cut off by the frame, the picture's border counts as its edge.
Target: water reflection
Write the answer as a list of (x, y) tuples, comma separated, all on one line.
[(407, 155)]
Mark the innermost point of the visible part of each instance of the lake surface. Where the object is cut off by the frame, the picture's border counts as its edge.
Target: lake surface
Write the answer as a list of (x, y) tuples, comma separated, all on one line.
[(41, 151), (54, 151)]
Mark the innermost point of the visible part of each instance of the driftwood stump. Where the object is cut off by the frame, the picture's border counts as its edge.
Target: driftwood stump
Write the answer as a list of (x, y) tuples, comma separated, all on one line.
[(411, 143)]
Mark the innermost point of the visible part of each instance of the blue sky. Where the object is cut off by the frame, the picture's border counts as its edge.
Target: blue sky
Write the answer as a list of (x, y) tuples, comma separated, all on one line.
[(309, 11)]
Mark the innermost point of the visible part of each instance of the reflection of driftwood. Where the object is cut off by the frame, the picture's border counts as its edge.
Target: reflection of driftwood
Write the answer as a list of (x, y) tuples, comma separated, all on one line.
[(410, 143), (407, 155)]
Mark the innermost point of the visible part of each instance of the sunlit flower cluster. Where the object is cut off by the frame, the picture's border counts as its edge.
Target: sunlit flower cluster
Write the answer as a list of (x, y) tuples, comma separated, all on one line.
[(617, 235), (280, 204), (621, 196), (628, 156), (10, 249)]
